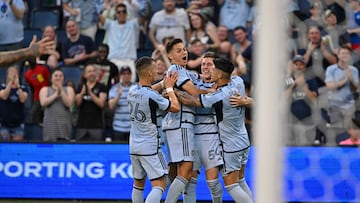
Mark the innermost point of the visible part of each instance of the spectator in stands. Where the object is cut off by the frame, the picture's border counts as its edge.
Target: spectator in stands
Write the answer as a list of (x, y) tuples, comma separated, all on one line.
[(54, 55), (118, 102), (122, 38), (83, 12), (301, 92), (162, 67), (223, 51), (107, 72), (36, 48), (342, 80), (12, 99), (338, 7), (203, 7), (56, 100), (336, 34), (196, 50), (12, 29), (241, 42), (37, 76), (77, 48), (233, 13), (90, 100), (318, 55), (160, 52), (133, 9), (354, 25), (204, 30), (353, 134), (170, 21)]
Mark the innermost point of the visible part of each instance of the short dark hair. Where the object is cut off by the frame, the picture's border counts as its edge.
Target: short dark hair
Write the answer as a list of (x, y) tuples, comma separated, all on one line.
[(120, 5), (344, 46), (240, 28), (104, 46), (209, 54), (172, 43), (224, 65), (142, 63)]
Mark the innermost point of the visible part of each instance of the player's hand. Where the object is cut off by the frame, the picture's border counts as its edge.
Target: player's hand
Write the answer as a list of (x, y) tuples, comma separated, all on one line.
[(170, 79), (41, 47)]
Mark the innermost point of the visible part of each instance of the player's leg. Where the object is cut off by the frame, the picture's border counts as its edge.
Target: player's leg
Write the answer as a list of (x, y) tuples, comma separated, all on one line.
[(231, 173), (139, 175), (137, 194), (214, 185), (190, 189), (180, 143), (158, 188), (242, 181), (211, 157), (156, 169)]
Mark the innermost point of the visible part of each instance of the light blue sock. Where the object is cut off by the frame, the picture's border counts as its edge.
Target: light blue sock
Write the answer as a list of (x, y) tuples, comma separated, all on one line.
[(245, 187), (238, 194), (168, 181), (175, 190), (216, 190), (155, 195), (137, 195), (190, 191)]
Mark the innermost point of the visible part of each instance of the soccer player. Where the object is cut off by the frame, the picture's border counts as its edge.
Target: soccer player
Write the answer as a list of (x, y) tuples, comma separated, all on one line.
[(206, 138), (230, 120), (178, 127), (145, 152)]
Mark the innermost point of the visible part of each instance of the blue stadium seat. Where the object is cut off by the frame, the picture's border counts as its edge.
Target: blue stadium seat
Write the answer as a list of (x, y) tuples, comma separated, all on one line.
[(28, 35), (3, 74), (43, 17), (72, 73), (61, 35)]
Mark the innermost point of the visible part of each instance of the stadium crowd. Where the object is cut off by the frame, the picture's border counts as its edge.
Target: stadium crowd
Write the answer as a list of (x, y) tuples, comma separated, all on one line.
[(98, 42), (178, 73)]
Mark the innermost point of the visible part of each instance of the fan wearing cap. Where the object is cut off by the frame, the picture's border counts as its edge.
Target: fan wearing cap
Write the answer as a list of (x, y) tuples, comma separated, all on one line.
[(354, 134), (230, 120), (118, 102), (336, 34), (301, 92), (353, 25)]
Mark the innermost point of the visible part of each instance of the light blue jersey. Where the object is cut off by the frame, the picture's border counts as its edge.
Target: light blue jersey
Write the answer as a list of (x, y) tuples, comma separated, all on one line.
[(204, 117), (233, 134), (143, 105), (185, 117)]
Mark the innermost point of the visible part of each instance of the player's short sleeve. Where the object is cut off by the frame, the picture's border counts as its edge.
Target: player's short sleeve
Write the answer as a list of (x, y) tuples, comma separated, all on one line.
[(183, 75), (162, 102), (208, 100)]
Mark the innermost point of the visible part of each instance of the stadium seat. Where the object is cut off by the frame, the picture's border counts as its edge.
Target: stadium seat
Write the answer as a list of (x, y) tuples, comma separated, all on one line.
[(72, 73), (3, 75), (48, 3), (43, 17), (61, 35), (28, 35)]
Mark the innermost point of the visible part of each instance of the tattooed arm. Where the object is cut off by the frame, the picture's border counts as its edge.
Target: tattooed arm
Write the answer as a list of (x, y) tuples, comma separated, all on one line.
[(187, 99), (35, 49)]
